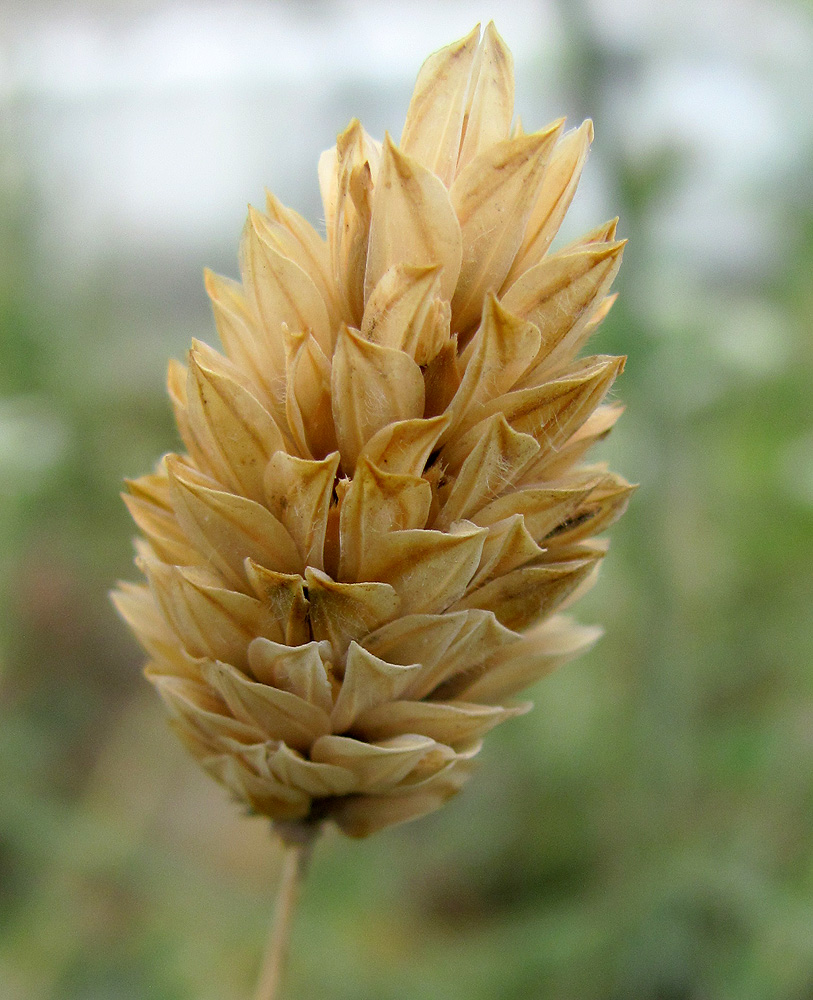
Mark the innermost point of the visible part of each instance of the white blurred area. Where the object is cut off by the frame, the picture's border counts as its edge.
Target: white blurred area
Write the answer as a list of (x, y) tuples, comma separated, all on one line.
[(143, 127)]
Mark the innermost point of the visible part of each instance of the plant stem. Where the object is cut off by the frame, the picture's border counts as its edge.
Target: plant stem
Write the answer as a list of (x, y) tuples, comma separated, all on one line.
[(295, 863)]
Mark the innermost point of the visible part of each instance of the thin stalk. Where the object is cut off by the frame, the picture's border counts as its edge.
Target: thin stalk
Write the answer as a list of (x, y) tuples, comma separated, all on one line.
[(295, 864)]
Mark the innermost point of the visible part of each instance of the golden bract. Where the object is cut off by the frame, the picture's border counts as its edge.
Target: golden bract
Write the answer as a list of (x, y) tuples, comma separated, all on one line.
[(359, 558)]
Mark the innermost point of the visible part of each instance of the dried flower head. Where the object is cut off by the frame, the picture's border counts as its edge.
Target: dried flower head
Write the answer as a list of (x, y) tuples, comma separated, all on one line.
[(380, 512)]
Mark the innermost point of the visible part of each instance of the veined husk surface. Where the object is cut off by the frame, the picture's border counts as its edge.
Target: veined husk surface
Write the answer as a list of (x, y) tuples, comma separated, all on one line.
[(363, 553)]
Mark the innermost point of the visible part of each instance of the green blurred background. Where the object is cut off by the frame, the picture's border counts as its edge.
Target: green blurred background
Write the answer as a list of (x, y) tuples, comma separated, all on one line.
[(647, 832)]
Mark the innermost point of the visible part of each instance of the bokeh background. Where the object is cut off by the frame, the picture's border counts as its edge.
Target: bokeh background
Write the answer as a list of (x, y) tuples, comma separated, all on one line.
[(647, 832)]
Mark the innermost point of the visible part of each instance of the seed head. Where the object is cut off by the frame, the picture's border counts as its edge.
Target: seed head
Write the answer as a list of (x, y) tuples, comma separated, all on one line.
[(362, 555)]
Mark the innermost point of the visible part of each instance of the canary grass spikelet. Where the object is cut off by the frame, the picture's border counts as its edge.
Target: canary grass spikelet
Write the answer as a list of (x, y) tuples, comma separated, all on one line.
[(364, 552)]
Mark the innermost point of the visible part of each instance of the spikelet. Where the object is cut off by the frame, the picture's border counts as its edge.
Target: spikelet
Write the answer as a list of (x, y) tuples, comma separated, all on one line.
[(362, 555)]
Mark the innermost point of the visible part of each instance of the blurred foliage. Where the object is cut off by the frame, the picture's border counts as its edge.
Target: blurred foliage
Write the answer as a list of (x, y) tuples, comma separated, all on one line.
[(645, 832)]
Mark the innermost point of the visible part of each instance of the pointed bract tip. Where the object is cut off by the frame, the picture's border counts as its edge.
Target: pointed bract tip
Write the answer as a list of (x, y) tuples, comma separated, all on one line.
[(345, 137), (492, 35), (199, 347), (603, 251), (469, 41), (256, 218), (555, 126)]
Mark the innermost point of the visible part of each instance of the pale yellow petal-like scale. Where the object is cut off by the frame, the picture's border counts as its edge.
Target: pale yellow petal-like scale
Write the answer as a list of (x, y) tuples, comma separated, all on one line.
[(368, 681), (221, 365), (199, 449), (284, 595), (210, 621), (313, 778), (277, 713), (346, 176), (201, 748), (261, 304), (490, 105), (560, 295), (508, 546), (417, 638), (542, 510), (162, 529), (137, 606), (492, 199), (428, 570), (282, 291), (592, 549), (398, 310), (443, 644), (354, 251), (440, 759), (558, 187), (372, 386), (300, 670), (570, 347), (298, 493), (264, 793), (308, 404), (327, 171), (353, 148), (234, 429), (490, 468), (434, 335), (480, 636), (496, 359), (604, 504), (449, 722), (605, 233), (600, 313), (228, 529), (153, 487), (523, 596), (442, 378), (375, 504), (434, 121), (379, 766), (310, 251), (176, 390), (552, 411), (213, 400), (403, 448), (540, 651), (550, 465), (576, 394), (413, 222), (342, 612), (242, 339), (200, 709)]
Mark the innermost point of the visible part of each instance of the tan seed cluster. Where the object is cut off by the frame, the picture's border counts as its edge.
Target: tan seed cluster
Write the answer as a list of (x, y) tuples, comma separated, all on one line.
[(363, 553)]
